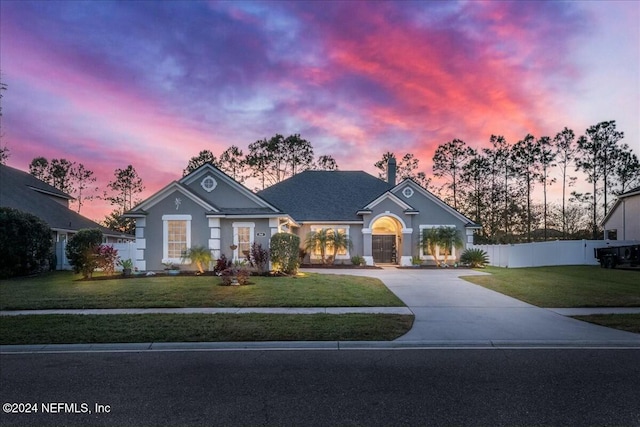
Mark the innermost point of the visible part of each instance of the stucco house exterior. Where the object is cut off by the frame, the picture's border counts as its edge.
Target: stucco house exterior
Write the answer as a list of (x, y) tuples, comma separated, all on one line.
[(623, 220), (384, 220)]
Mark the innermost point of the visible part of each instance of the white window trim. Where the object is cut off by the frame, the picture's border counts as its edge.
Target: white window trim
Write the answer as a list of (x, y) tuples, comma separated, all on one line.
[(331, 227), (165, 236), (440, 257), (252, 233)]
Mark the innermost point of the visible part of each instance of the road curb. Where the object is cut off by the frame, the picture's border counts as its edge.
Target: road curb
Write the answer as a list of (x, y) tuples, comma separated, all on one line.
[(311, 345)]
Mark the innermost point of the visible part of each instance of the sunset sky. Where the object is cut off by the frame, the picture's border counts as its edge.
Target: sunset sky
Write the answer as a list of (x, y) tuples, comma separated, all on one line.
[(151, 84)]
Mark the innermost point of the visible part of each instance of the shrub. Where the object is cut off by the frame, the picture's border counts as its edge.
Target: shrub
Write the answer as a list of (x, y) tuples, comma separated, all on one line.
[(238, 272), (25, 243), (474, 257), (82, 251), (358, 260), (107, 257), (284, 252), (221, 265), (259, 258)]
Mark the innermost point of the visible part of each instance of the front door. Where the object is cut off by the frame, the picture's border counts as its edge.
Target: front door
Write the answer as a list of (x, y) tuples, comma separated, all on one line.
[(383, 249)]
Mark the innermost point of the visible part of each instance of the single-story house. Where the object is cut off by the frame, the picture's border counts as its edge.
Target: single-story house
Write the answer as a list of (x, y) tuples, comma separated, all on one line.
[(623, 220), (384, 220), (24, 192)]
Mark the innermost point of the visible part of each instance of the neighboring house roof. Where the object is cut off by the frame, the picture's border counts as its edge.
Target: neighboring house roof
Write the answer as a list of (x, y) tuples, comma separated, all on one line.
[(631, 193), (24, 192), (315, 196)]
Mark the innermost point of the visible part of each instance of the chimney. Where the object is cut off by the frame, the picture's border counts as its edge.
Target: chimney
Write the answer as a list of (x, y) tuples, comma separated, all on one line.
[(391, 171)]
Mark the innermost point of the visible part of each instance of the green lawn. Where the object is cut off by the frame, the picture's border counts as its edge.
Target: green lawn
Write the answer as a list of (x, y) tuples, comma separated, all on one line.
[(625, 322), (565, 286), (64, 290), (64, 329)]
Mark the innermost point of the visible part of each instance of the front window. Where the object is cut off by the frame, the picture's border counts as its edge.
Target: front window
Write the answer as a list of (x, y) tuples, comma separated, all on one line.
[(176, 237), (343, 251), (243, 233)]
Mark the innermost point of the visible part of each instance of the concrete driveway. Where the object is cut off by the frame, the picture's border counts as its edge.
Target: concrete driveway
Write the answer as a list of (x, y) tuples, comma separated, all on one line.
[(449, 309)]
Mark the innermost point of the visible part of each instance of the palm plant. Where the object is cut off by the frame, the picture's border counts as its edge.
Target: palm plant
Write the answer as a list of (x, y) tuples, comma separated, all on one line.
[(474, 258), (429, 241), (338, 240), (448, 237), (199, 255), (316, 241)]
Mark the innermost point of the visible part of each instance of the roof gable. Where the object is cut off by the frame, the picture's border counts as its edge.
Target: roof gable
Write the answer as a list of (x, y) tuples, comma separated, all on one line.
[(417, 188), (222, 190), (388, 195), (165, 192)]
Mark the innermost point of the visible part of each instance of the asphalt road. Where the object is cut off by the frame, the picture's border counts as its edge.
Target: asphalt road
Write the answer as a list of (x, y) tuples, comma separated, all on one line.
[(349, 387)]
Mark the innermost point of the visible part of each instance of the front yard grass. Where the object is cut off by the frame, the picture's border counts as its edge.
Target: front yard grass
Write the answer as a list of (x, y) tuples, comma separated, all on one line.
[(565, 286), (65, 329), (58, 290), (625, 322)]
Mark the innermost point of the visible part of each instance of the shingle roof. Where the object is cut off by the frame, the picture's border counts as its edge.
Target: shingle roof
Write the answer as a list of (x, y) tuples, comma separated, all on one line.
[(22, 191), (325, 195)]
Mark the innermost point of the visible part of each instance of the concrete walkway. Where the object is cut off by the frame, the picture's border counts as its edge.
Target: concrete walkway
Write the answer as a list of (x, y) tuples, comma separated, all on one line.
[(449, 309)]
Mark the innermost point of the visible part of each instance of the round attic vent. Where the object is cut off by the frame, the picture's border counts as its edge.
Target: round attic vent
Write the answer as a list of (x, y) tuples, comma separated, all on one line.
[(208, 183), (407, 192)]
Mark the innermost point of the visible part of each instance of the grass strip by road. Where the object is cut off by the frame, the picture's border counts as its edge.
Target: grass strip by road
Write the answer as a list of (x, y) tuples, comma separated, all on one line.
[(64, 290), (67, 329), (625, 322), (564, 286)]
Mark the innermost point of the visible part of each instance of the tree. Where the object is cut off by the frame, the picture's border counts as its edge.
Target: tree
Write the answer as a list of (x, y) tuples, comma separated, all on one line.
[(448, 161), (60, 174), (204, 157), (82, 251), (325, 163), (525, 158), (597, 153), (25, 243), (406, 168), (626, 170), (499, 171), (565, 152), (84, 187), (316, 241), (232, 163), (298, 154), (124, 191), (258, 159), (547, 157), (429, 241), (338, 241), (473, 179), (39, 167), (448, 237)]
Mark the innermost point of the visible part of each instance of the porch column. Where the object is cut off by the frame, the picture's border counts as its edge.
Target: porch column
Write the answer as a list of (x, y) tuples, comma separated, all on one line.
[(141, 244), (366, 246), (407, 246), (214, 237)]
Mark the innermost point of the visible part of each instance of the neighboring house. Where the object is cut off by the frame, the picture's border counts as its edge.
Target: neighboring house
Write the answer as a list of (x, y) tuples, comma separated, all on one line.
[(623, 220), (208, 208), (24, 192)]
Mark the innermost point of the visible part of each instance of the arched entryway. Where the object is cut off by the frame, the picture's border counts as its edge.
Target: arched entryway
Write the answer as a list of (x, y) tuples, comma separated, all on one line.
[(386, 240)]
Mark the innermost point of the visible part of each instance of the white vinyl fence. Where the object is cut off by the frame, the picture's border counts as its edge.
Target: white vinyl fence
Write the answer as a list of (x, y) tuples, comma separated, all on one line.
[(125, 251), (539, 254)]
